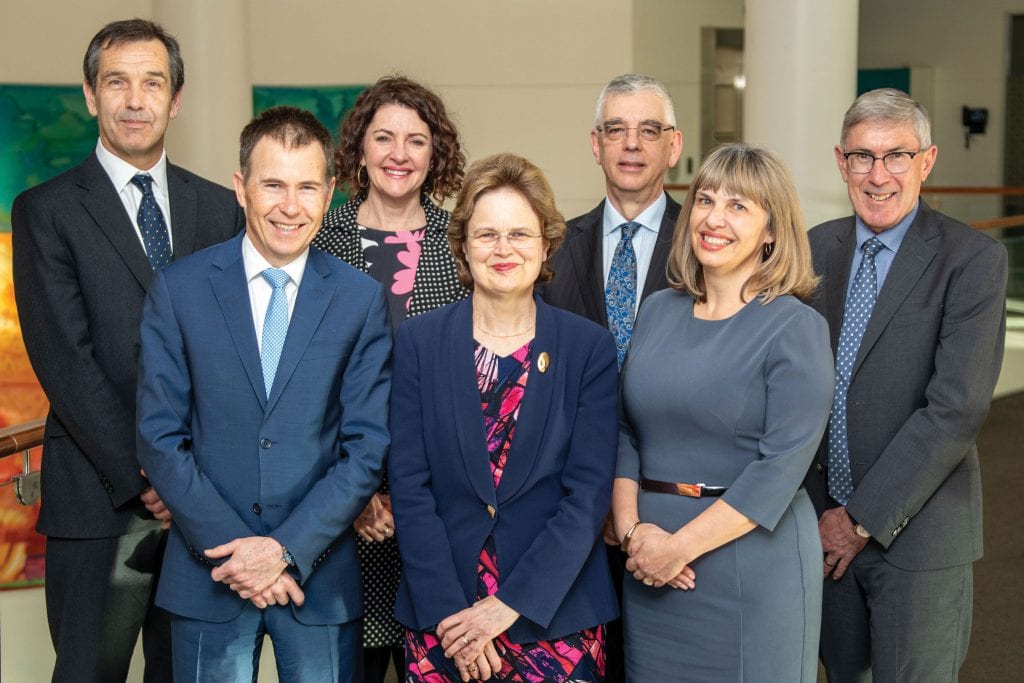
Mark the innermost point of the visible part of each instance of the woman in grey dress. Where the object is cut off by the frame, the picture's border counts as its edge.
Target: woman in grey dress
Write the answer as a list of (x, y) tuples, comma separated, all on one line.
[(726, 393)]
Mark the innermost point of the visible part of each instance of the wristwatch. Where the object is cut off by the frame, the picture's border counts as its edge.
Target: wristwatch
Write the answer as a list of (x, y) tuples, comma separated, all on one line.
[(287, 557), (861, 531)]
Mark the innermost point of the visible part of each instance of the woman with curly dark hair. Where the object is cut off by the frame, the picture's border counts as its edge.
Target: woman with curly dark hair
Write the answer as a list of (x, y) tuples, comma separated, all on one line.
[(398, 153)]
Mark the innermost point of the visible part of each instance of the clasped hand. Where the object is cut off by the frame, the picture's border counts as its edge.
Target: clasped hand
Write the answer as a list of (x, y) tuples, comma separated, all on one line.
[(656, 559), (256, 571), (468, 637), (375, 522)]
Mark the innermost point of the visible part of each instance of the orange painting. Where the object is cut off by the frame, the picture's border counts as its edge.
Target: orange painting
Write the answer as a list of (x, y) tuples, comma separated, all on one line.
[(21, 399)]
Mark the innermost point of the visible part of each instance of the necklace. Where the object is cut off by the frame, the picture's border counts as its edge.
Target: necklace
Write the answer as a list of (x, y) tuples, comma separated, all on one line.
[(504, 336)]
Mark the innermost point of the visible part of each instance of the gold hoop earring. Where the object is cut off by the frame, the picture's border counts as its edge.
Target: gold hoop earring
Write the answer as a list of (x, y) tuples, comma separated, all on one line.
[(359, 178)]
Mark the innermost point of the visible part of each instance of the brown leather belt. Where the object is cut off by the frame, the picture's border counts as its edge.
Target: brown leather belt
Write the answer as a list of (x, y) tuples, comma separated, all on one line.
[(691, 490)]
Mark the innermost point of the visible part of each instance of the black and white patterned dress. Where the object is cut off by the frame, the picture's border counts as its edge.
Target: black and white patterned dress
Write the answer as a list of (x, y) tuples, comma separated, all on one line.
[(393, 259)]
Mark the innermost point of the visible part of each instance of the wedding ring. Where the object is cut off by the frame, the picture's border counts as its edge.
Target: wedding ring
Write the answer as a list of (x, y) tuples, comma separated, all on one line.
[(465, 640), (648, 581)]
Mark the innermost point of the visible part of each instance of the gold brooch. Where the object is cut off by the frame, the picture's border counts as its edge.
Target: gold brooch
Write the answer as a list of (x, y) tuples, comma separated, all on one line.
[(543, 360)]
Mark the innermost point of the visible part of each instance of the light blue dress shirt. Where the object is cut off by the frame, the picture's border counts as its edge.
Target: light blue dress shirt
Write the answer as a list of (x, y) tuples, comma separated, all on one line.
[(643, 241), (891, 239)]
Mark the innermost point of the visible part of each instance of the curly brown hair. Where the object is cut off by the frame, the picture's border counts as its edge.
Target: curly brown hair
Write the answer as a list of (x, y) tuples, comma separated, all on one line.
[(447, 161)]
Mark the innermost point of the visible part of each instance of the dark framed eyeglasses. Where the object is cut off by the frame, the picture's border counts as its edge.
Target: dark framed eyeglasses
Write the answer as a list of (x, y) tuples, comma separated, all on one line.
[(894, 162), (651, 132)]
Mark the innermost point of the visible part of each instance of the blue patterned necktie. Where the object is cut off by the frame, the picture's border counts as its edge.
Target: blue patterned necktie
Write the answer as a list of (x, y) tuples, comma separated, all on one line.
[(855, 320), (152, 225), (275, 325), (620, 293)]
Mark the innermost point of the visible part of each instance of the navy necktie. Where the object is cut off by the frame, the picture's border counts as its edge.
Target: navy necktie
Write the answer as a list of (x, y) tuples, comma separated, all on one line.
[(620, 293), (152, 225), (855, 320), (275, 325)]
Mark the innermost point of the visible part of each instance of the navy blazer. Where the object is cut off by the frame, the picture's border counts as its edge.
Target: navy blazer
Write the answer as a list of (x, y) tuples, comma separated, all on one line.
[(547, 511), (229, 462)]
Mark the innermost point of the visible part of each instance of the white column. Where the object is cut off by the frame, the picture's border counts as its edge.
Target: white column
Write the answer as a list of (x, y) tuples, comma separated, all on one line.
[(217, 97), (800, 58)]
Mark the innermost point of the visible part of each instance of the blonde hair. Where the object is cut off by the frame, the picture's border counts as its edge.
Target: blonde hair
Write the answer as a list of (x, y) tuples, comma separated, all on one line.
[(759, 176)]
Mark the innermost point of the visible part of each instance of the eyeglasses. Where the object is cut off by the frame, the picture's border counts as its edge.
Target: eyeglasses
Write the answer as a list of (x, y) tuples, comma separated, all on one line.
[(488, 239), (651, 132), (894, 162)]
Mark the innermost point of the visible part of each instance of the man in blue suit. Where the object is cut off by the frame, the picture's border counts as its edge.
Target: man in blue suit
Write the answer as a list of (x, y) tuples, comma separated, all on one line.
[(263, 387)]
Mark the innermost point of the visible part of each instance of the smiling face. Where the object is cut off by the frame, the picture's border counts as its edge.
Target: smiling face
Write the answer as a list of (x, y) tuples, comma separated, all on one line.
[(504, 269), (397, 148), (882, 199), (285, 197), (728, 233), (133, 101), (634, 168)]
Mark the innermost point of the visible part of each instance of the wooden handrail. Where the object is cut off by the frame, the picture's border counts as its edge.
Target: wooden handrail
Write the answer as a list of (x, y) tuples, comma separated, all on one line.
[(21, 437), (996, 223)]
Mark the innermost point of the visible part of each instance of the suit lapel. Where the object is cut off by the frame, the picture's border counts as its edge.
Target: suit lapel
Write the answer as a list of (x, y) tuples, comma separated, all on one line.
[(656, 275), (314, 297), (103, 204), (837, 276), (586, 252), (535, 408), (183, 212), (910, 262), (469, 421), (232, 292)]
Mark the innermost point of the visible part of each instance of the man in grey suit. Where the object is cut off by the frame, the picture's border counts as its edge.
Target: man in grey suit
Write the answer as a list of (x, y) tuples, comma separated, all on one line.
[(86, 245), (635, 141), (915, 303)]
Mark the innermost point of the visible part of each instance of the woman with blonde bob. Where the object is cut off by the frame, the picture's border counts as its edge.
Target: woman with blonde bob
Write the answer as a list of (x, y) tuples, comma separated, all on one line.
[(726, 393)]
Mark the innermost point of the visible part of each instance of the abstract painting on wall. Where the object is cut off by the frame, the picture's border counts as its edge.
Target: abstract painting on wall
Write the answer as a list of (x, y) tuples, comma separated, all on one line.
[(44, 130)]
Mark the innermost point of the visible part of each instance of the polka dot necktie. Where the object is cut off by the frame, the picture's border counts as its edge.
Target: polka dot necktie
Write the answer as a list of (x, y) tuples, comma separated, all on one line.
[(275, 325), (152, 225), (620, 293), (855, 320)]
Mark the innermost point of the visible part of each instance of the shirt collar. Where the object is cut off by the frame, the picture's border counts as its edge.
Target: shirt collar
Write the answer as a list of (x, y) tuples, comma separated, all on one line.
[(649, 218), (255, 264), (892, 238), (121, 172)]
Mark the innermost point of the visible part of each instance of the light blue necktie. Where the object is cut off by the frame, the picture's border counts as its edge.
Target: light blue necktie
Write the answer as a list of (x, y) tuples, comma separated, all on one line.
[(620, 293), (152, 225), (275, 325), (855, 320)]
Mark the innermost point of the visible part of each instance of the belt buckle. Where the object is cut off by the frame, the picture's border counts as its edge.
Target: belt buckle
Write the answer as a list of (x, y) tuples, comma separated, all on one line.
[(691, 490)]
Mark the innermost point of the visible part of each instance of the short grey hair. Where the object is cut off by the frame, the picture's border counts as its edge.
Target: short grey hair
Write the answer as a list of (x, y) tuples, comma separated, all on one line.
[(630, 83), (892, 106)]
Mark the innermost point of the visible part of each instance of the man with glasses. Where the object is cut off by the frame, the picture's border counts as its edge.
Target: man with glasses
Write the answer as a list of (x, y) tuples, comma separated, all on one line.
[(915, 302), (614, 256)]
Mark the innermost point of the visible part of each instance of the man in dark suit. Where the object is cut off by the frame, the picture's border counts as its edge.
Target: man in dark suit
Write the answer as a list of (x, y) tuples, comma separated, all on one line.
[(916, 305), (86, 245), (635, 142), (264, 377), (614, 256)]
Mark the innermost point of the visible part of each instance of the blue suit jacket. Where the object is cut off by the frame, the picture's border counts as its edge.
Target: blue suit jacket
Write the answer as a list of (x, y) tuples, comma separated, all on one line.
[(546, 513), (230, 463)]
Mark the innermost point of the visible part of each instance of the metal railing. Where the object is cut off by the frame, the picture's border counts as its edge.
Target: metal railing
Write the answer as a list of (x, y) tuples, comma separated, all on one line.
[(22, 438)]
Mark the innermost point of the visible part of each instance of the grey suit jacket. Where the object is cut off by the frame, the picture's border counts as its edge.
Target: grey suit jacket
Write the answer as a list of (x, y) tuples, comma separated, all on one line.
[(578, 285), (80, 275), (921, 386)]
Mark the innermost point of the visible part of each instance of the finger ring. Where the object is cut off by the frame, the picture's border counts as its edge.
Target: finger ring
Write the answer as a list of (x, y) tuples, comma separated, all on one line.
[(465, 640), (648, 581), (472, 667), (387, 529), (829, 564)]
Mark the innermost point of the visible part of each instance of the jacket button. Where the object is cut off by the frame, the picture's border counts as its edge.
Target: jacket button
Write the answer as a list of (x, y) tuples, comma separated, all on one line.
[(264, 443), (256, 508), (491, 511), (818, 466)]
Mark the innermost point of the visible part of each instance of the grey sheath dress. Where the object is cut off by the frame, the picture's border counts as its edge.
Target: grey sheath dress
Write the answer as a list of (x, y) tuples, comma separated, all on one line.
[(742, 403)]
